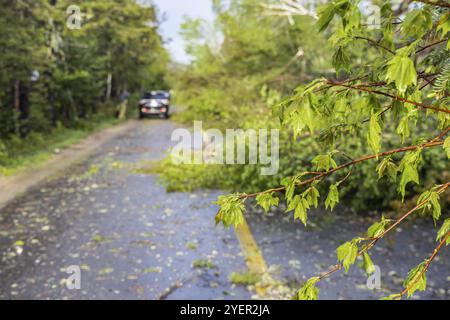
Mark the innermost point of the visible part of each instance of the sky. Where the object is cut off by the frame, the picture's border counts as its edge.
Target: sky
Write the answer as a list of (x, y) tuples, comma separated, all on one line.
[(175, 11)]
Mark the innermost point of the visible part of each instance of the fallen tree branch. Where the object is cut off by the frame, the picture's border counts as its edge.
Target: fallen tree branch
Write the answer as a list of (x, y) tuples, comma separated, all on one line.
[(432, 143)]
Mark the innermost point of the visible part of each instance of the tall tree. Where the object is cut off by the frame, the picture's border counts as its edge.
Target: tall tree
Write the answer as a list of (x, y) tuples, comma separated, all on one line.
[(118, 40)]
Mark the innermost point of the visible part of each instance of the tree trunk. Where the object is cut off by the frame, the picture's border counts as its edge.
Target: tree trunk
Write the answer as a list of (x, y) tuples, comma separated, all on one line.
[(17, 95), (51, 104), (108, 86), (15, 101), (24, 108)]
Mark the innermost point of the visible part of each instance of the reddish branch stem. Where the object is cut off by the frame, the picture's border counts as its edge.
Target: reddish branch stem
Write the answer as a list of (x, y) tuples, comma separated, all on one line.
[(427, 265), (394, 97), (376, 43), (392, 227), (431, 45), (406, 215), (430, 144)]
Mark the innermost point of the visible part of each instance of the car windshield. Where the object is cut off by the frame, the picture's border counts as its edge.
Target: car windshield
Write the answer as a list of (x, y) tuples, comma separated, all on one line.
[(159, 95)]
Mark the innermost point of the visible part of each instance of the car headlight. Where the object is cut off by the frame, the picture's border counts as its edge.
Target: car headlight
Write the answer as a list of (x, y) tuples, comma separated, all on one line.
[(166, 102)]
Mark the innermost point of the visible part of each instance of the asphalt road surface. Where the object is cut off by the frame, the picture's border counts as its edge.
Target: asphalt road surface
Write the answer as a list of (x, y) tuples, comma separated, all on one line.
[(130, 238), (133, 240)]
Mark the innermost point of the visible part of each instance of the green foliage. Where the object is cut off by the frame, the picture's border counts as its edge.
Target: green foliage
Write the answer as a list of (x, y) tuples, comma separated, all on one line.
[(444, 25), (416, 280), (312, 196), (447, 146), (378, 117), (443, 231), (300, 207), (368, 264), (324, 162), (290, 185), (341, 60), (300, 204), (409, 168), (267, 200), (442, 82), (326, 14), (374, 135), (417, 22), (309, 291), (402, 71), (3, 151), (378, 228), (20, 153), (347, 253), (432, 203), (403, 128), (235, 85), (231, 212), (410, 174), (333, 197), (117, 40), (387, 168)]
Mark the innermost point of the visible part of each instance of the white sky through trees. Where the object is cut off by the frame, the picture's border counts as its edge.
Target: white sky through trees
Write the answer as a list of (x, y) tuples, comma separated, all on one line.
[(175, 10)]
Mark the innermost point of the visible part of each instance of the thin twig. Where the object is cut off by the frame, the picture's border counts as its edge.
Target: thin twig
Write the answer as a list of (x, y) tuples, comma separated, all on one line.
[(427, 265), (389, 95), (431, 45), (392, 227), (376, 43)]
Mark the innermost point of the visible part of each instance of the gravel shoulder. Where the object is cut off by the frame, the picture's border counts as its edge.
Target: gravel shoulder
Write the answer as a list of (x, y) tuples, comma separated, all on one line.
[(130, 238), (14, 186)]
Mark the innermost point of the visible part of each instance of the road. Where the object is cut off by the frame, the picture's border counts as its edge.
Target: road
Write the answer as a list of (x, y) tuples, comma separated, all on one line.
[(133, 240)]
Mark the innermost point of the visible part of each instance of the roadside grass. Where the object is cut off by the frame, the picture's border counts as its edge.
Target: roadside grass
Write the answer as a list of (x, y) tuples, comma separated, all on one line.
[(18, 154)]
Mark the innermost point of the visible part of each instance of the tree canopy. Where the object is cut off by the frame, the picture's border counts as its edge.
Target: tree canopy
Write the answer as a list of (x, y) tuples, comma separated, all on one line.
[(116, 47)]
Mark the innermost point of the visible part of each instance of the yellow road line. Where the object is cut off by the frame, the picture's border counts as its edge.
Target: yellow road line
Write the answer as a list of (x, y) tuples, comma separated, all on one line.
[(253, 257)]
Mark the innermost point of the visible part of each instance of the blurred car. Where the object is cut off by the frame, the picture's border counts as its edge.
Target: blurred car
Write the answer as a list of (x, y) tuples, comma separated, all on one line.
[(155, 103)]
